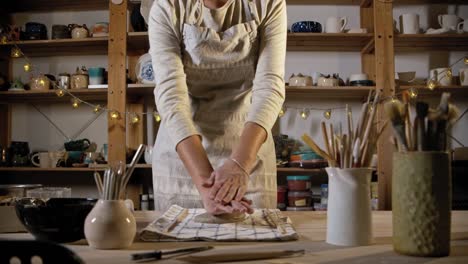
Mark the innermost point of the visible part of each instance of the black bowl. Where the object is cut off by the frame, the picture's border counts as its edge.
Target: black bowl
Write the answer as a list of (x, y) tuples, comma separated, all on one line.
[(57, 219), (306, 26), (361, 83)]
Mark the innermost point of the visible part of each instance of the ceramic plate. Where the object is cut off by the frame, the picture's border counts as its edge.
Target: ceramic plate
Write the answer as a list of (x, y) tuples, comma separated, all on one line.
[(16, 90)]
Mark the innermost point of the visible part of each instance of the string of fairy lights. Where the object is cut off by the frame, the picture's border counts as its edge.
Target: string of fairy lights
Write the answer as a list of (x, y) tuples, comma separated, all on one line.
[(135, 117)]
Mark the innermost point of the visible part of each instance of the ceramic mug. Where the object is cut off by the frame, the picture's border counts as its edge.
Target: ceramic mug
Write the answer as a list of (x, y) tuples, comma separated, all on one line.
[(96, 75), (449, 21), (78, 31), (335, 24), (44, 160), (409, 24), (463, 76), (440, 74), (300, 80), (64, 80), (462, 26), (323, 81)]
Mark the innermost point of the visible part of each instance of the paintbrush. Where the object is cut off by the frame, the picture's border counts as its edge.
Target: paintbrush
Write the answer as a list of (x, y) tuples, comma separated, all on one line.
[(325, 139), (394, 111), (420, 126), (370, 120), (438, 124), (356, 161), (407, 117), (311, 143), (332, 136)]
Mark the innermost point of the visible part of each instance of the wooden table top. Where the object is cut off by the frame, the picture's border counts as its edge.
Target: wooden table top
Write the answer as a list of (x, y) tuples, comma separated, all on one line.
[(311, 227)]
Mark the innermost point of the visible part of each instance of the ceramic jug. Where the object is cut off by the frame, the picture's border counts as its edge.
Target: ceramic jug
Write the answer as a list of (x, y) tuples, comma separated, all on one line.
[(80, 79), (110, 225), (78, 31)]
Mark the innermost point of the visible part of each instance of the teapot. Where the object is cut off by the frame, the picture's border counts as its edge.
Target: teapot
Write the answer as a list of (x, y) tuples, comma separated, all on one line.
[(300, 80), (328, 80), (78, 31), (80, 79)]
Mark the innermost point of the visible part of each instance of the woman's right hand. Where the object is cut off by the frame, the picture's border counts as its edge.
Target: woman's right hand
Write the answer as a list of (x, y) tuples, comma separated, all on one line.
[(217, 208)]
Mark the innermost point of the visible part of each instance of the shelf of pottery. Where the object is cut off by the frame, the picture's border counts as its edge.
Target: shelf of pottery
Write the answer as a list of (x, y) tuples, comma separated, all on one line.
[(450, 35)]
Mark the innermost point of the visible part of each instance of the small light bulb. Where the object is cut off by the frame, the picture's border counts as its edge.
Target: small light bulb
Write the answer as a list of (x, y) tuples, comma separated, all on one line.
[(97, 109), (135, 118), (449, 73), (465, 60), (413, 93), (15, 52), (282, 112), (75, 103), (304, 114), (4, 40), (157, 116), (42, 82), (431, 85), (114, 115), (27, 67), (327, 114), (60, 92), (371, 108)]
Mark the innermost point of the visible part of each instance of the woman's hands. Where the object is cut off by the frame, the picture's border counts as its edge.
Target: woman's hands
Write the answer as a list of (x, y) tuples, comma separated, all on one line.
[(216, 208), (228, 182)]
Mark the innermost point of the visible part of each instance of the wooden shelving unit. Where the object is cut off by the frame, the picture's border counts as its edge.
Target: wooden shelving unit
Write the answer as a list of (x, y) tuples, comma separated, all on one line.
[(425, 2), (428, 42)]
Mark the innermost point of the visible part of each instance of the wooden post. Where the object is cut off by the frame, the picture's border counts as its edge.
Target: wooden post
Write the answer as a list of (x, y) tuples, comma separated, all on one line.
[(385, 83), (135, 132), (116, 94)]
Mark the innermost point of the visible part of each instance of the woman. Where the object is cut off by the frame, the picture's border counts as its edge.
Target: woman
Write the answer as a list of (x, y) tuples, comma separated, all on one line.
[(219, 67)]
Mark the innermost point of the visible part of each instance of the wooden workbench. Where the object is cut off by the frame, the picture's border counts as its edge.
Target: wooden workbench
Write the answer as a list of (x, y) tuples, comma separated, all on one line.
[(311, 227)]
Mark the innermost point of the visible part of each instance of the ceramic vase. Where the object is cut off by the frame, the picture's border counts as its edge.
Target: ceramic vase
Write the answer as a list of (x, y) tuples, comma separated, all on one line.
[(349, 221), (421, 203), (110, 225)]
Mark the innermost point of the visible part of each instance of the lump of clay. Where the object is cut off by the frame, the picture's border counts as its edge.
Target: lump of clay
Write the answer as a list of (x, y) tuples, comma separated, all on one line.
[(207, 218)]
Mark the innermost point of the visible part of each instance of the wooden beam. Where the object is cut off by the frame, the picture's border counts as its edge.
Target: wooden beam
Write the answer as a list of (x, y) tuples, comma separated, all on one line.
[(385, 75), (117, 79), (135, 131), (5, 125)]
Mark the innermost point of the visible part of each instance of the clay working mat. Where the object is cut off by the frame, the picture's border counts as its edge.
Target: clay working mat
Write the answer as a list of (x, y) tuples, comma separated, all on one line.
[(178, 224)]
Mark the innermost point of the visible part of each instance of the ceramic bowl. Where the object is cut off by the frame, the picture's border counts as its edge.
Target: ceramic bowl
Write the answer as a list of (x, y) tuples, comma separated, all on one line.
[(57, 219), (406, 76), (362, 83), (306, 26), (358, 77)]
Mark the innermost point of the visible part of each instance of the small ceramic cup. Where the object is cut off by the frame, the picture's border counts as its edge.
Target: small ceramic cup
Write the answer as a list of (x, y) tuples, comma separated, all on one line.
[(96, 75), (100, 29)]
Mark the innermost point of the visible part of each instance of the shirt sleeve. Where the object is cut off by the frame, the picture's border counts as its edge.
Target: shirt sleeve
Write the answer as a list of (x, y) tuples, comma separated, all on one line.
[(171, 92), (268, 91)]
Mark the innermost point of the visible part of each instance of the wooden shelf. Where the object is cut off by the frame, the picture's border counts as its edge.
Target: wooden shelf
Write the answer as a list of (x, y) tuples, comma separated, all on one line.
[(422, 42), (329, 92), (54, 5), (328, 41), (59, 47), (137, 42), (34, 169), (456, 90), (134, 91)]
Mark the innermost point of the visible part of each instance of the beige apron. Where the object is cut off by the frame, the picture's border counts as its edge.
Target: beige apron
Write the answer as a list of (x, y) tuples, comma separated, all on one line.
[(220, 68)]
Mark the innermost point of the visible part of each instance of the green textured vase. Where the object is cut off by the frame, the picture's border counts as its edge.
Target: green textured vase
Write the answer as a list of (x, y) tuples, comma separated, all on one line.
[(421, 202)]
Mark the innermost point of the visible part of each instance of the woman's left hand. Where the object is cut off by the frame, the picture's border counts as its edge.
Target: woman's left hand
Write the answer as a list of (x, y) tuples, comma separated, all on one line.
[(228, 182)]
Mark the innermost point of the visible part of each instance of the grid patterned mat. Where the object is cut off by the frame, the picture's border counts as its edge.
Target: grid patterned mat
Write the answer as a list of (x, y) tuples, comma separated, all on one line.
[(177, 224)]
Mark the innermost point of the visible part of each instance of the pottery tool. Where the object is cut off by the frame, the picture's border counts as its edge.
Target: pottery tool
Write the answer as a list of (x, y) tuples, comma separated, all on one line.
[(394, 109), (98, 180), (176, 221), (358, 133), (407, 118), (332, 135), (370, 121), (420, 126), (130, 169), (233, 254), (356, 160), (318, 150), (159, 254), (325, 139)]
